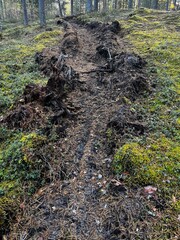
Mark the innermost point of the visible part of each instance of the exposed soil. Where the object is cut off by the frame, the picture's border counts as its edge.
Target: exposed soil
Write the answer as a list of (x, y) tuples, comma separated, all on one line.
[(90, 74)]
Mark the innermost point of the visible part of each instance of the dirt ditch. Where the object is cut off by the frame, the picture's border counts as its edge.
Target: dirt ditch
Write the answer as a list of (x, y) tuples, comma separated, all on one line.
[(90, 74)]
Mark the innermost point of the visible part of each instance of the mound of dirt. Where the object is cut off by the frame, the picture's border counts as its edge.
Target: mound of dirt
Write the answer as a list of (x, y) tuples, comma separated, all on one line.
[(125, 120), (41, 104)]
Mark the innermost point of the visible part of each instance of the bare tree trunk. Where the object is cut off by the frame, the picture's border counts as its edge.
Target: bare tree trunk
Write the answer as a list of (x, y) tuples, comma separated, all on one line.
[(88, 5), (130, 4), (2, 10), (32, 9), (155, 4), (96, 5), (167, 5), (60, 9), (115, 4), (72, 9), (139, 4), (25, 16), (42, 13), (104, 5)]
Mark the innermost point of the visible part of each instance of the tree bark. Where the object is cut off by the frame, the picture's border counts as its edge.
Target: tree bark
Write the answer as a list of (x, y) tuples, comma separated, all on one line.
[(25, 15), (32, 9), (130, 4), (2, 10), (42, 13), (60, 9), (72, 9), (139, 3), (115, 4), (104, 6), (155, 4), (88, 5), (167, 5), (96, 5)]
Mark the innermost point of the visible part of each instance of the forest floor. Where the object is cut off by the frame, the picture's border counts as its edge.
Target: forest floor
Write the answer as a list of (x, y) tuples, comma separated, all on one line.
[(83, 131)]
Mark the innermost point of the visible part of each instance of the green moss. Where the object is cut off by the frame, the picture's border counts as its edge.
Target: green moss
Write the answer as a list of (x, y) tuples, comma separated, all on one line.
[(47, 35), (176, 206), (17, 65), (156, 162), (8, 208), (138, 18), (109, 133), (17, 155), (143, 11), (21, 166)]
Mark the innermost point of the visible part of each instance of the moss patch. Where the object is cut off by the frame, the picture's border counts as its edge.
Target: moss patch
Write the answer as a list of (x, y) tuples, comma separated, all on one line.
[(154, 158), (21, 168), (155, 162), (47, 36), (162, 49), (17, 64)]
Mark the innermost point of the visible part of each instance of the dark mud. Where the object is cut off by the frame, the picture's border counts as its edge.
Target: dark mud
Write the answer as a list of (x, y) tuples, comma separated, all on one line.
[(89, 75)]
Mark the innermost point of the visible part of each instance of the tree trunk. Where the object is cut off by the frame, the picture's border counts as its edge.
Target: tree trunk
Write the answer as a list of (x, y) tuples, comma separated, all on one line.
[(42, 13), (96, 5), (139, 3), (2, 10), (72, 9), (130, 4), (104, 6), (88, 5), (25, 16), (147, 4), (115, 4), (155, 4), (60, 9), (32, 9), (167, 5)]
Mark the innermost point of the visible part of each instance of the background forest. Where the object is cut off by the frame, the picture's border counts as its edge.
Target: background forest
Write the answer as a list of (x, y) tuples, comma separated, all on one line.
[(12, 10)]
